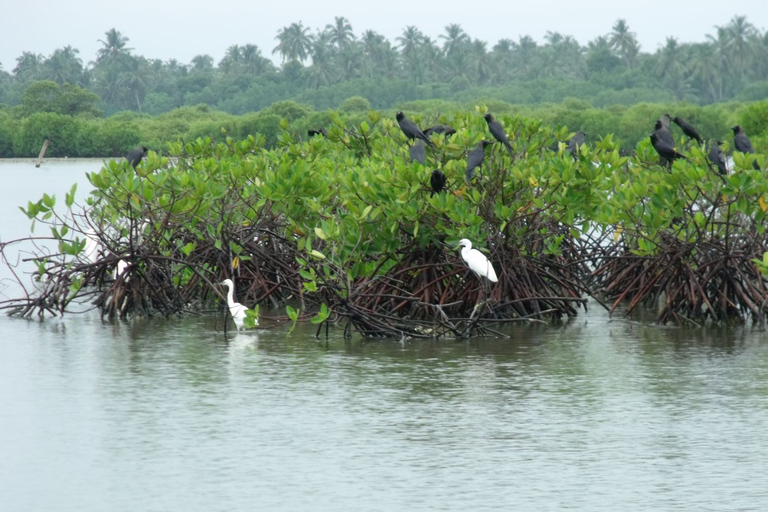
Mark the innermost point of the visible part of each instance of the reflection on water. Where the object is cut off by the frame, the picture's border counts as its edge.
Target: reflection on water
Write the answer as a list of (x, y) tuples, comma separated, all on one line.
[(595, 415), (598, 414)]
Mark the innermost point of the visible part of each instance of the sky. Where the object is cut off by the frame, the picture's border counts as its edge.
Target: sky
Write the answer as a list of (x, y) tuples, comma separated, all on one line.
[(165, 29)]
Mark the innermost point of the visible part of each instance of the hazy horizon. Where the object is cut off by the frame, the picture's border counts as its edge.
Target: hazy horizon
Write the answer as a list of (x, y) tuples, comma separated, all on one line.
[(163, 29)]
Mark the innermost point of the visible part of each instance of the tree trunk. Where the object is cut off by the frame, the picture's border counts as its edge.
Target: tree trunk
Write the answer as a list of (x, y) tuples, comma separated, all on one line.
[(42, 153)]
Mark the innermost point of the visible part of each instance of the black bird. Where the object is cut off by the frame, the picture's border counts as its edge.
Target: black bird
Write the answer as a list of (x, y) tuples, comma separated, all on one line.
[(319, 131), (742, 143), (662, 131), (498, 132), (689, 130), (418, 151), (437, 180), (135, 156), (475, 158), (576, 142), (440, 128), (717, 157), (411, 130), (664, 150)]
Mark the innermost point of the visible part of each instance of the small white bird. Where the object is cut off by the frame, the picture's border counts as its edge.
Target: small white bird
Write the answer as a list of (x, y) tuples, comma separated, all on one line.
[(236, 309), (477, 261), (91, 249), (122, 265)]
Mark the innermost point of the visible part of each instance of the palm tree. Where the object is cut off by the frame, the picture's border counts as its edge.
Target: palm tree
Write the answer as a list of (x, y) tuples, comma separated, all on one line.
[(502, 58), (720, 59), (410, 51), (231, 60), (202, 63), (254, 62), (600, 57), (480, 61), (669, 59), (28, 66), (456, 49), (64, 66), (624, 43), (136, 78), (525, 53), (341, 32), (350, 61), (114, 47), (321, 73), (704, 68), (456, 40), (740, 32), (294, 42)]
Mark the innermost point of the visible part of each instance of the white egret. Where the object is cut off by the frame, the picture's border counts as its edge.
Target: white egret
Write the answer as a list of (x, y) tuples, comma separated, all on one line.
[(236, 309), (120, 269), (477, 261), (91, 250)]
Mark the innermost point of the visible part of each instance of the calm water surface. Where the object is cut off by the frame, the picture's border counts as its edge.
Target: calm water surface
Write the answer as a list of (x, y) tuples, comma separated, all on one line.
[(600, 414)]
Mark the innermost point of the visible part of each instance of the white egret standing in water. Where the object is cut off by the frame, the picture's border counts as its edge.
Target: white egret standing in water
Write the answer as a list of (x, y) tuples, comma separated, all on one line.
[(236, 309), (477, 261)]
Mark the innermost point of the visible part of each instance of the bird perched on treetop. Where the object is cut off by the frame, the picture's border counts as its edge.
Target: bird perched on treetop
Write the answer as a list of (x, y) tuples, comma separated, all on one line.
[(717, 157), (477, 261), (440, 128), (664, 134), (437, 181), (576, 142), (689, 130), (135, 156), (498, 132), (418, 151), (742, 143), (411, 130), (475, 158), (664, 150), (319, 131)]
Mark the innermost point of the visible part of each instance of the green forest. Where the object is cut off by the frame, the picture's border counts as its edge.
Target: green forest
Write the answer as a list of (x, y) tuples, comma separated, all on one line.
[(105, 106)]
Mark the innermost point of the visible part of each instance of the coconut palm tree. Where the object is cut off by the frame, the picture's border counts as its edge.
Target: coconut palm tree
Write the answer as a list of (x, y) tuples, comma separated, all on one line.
[(341, 32), (624, 43), (29, 66), (294, 42), (202, 63), (137, 78), (115, 47)]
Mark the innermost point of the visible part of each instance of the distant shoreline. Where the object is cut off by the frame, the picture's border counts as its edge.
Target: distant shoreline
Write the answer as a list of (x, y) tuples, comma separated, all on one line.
[(55, 160)]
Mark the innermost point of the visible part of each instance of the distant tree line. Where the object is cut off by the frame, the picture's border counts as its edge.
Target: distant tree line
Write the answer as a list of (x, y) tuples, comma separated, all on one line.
[(322, 68)]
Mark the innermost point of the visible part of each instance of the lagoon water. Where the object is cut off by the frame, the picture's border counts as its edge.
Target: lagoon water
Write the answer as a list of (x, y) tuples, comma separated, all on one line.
[(601, 414)]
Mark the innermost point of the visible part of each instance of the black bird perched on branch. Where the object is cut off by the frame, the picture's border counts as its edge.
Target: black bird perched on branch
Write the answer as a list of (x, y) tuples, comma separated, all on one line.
[(135, 156), (475, 158), (440, 128), (319, 131), (576, 142), (498, 132), (664, 150), (689, 130), (717, 157), (664, 134), (742, 143), (418, 151), (437, 181), (411, 130)]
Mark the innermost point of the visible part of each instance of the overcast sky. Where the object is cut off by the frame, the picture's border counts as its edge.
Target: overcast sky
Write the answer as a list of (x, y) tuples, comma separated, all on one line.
[(164, 29)]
